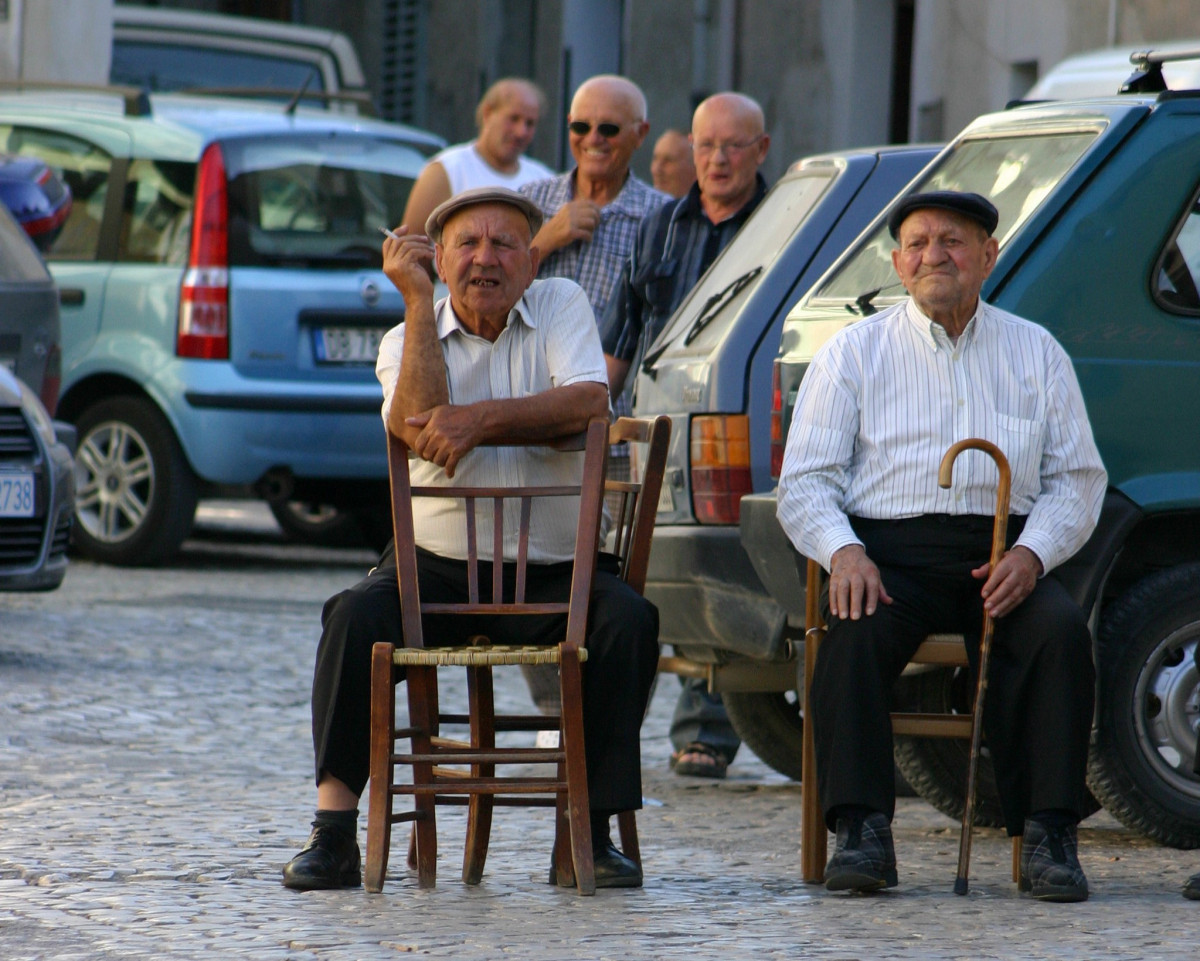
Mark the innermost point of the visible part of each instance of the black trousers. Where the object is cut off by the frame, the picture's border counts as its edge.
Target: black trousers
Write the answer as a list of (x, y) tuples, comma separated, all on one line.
[(622, 645), (1041, 681)]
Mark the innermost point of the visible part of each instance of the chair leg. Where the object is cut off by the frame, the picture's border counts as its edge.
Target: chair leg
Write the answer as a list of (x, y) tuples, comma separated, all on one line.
[(627, 827), (813, 835), (561, 867), (577, 790), (1017, 841), (383, 719), (483, 735), (422, 709)]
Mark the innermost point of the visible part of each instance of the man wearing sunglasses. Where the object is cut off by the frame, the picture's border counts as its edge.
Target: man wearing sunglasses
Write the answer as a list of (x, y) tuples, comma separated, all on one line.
[(675, 245)]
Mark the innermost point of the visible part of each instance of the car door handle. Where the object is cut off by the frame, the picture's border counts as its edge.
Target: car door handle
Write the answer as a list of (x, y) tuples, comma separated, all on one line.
[(70, 296)]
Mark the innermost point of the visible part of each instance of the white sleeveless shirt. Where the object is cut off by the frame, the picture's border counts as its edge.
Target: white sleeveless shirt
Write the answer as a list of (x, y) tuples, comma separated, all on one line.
[(465, 168)]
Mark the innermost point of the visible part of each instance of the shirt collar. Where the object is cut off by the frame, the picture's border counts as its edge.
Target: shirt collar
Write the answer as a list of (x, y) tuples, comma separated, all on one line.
[(448, 322), (689, 205), (934, 335)]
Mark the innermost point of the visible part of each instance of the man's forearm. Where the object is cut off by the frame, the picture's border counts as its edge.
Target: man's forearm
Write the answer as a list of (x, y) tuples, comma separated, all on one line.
[(552, 413), (422, 383)]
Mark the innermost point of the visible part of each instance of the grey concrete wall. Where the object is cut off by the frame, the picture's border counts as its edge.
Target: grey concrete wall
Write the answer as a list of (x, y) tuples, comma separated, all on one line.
[(35, 46)]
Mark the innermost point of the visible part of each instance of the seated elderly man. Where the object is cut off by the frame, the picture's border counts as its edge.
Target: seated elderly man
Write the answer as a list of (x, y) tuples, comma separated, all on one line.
[(881, 402), (503, 357)]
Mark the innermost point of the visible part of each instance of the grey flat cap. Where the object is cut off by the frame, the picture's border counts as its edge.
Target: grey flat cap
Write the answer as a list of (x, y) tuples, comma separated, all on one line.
[(974, 206), (481, 195)]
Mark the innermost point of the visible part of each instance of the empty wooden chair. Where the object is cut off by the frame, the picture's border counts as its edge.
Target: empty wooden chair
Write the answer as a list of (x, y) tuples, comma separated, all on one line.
[(465, 770)]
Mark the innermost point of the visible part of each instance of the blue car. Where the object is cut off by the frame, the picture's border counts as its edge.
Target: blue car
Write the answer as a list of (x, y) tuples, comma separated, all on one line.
[(222, 302)]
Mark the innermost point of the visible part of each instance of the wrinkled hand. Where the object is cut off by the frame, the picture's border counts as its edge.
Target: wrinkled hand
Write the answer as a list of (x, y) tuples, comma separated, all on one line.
[(447, 435), (408, 263), (576, 220), (1011, 582), (854, 584)]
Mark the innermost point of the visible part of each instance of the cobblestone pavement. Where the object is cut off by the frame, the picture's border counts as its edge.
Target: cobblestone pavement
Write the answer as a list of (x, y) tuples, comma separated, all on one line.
[(155, 774)]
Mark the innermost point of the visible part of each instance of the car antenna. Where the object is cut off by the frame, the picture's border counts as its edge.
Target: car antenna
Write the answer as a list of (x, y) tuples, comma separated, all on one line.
[(291, 107)]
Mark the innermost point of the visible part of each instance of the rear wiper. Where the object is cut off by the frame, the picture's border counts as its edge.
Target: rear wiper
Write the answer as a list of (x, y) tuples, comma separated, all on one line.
[(862, 303), (713, 306)]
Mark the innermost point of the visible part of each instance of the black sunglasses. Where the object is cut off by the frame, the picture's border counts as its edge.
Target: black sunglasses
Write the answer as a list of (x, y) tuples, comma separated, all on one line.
[(582, 128)]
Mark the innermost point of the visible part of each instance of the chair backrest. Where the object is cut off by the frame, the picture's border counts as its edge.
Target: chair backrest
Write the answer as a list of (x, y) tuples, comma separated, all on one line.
[(590, 492), (637, 499)]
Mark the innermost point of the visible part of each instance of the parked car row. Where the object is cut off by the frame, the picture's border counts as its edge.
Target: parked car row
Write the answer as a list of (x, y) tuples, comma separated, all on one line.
[(1099, 203)]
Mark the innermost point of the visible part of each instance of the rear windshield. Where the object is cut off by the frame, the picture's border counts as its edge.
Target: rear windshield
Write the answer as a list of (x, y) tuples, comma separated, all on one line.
[(716, 299), (168, 66), (1015, 173), (315, 200)]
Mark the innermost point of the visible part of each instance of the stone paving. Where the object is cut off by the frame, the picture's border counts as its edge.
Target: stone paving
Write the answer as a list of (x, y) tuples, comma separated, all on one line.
[(155, 773)]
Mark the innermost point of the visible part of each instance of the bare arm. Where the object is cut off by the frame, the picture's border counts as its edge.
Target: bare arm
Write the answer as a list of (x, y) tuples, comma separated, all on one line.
[(618, 370), (432, 186), (575, 220)]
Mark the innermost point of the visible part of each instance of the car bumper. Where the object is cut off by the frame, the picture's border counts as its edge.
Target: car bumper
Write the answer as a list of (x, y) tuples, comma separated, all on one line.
[(35, 550), (771, 554)]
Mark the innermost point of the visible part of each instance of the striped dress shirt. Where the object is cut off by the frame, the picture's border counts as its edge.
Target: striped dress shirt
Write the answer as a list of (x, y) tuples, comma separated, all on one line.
[(885, 397), (550, 341)]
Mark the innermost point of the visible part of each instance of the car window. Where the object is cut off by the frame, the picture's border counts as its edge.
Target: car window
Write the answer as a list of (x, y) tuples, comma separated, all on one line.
[(168, 66), (714, 302), (85, 168), (1177, 277), (156, 223), (317, 200), (1015, 173)]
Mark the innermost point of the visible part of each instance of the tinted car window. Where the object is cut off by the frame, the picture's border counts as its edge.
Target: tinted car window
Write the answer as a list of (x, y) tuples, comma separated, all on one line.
[(712, 305), (315, 200), (164, 67), (1016, 173), (85, 168), (157, 221), (1176, 279)]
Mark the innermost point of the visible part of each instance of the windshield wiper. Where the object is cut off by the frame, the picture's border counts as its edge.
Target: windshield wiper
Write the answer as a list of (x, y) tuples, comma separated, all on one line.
[(713, 306), (862, 303)]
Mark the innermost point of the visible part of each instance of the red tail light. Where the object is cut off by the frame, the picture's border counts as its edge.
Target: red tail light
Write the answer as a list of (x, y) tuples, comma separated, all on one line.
[(51, 379), (720, 460), (776, 422), (204, 296)]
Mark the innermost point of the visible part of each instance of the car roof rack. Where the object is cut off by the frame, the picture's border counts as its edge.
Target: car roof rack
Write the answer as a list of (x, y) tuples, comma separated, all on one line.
[(1147, 76), (135, 100)]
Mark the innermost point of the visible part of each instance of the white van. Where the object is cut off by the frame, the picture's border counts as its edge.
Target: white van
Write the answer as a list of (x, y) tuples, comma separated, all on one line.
[(1100, 73), (167, 50)]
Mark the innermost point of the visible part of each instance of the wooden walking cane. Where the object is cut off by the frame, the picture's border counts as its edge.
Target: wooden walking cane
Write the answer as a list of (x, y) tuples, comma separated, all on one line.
[(999, 530)]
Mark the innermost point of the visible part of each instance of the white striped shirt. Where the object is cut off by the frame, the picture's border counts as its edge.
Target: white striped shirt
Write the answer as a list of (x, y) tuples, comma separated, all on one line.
[(550, 341), (885, 397)]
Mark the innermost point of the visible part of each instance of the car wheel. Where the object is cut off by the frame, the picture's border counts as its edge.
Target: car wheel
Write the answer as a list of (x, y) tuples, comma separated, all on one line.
[(135, 492), (315, 523), (1144, 750), (771, 725)]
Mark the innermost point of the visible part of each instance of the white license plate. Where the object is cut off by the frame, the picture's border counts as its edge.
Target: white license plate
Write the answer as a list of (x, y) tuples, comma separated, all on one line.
[(348, 345), (16, 495)]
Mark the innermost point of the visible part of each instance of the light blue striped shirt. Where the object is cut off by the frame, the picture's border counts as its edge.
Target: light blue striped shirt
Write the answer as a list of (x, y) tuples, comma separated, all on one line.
[(885, 397)]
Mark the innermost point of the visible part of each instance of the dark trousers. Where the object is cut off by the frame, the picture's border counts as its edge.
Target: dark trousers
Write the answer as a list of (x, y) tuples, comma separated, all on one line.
[(1041, 681), (622, 645)]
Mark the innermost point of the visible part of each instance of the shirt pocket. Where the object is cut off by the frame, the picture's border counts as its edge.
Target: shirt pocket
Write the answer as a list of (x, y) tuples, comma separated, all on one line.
[(656, 283), (1021, 441)]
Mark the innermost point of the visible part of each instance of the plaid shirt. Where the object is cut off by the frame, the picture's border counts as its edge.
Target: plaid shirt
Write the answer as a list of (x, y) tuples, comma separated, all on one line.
[(674, 246), (595, 266)]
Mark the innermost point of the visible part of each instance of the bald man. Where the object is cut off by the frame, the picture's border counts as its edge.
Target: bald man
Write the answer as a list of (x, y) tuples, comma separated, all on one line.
[(507, 118), (674, 246), (671, 167)]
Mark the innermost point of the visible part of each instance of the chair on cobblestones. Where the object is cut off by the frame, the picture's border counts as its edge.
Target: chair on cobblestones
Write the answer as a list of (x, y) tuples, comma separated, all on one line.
[(464, 770), (943, 650)]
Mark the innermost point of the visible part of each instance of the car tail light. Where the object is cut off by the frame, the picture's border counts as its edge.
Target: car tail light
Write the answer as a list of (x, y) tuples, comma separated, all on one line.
[(51, 379), (776, 422), (204, 295), (720, 458)]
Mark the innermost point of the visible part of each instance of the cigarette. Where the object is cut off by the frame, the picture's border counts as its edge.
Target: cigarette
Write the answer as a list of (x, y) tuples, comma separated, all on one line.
[(389, 233)]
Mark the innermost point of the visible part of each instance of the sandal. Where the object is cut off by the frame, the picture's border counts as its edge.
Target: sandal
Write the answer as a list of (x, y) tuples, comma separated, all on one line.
[(699, 760)]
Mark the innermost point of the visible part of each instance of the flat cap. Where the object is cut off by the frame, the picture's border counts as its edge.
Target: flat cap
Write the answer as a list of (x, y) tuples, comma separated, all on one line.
[(977, 207), (481, 195)]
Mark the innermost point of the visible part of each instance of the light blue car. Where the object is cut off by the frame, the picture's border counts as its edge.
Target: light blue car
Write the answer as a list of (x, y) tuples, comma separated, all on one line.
[(222, 303)]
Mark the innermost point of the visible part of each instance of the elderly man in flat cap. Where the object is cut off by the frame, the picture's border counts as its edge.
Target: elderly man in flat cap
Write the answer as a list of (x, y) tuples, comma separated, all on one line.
[(881, 402), (503, 356)]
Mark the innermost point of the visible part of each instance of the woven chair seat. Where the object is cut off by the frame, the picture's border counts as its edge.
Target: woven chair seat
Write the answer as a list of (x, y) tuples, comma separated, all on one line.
[(489, 656)]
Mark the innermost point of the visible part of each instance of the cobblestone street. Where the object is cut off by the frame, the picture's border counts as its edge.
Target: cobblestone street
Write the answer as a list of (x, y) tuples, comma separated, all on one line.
[(155, 773)]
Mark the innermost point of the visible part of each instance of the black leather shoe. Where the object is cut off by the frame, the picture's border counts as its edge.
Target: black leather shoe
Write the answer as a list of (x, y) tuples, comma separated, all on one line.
[(1050, 868), (614, 870), (329, 859), (864, 859), (1191, 888)]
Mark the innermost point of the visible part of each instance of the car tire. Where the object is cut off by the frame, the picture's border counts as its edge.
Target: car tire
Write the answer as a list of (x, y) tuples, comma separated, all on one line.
[(135, 491), (322, 525), (771, 725), (1145, 742)]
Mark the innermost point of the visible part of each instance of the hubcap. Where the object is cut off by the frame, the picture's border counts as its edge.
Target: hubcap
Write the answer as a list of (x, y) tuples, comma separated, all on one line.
[(1167, 709), (114, 479)]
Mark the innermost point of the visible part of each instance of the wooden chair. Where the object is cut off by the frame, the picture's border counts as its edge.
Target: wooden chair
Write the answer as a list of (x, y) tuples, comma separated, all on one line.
[(463, 770), (944, 650)]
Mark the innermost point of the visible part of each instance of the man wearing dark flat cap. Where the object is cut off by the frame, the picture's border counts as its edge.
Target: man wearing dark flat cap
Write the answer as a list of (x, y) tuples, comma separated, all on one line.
[(503, 356), (879, 405)]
